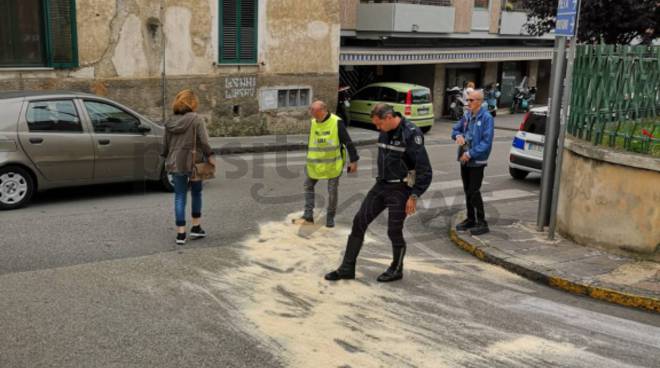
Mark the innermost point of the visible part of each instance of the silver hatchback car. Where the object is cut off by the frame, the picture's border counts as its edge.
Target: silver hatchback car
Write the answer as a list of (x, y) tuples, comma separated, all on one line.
[(62, 139)]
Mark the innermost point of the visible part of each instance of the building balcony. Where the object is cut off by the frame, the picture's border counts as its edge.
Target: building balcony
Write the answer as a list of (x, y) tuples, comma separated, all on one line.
[(403, 16)]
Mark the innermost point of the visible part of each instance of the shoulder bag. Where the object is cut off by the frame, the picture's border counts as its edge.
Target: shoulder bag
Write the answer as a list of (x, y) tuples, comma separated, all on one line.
[(203, 170)]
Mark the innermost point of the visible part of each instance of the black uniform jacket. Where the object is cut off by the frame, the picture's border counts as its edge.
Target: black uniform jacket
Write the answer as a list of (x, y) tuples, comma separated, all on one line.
[(402, 150)]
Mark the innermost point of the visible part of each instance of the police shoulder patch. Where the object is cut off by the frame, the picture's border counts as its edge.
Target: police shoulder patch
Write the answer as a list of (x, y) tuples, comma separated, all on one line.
[(419, 140)]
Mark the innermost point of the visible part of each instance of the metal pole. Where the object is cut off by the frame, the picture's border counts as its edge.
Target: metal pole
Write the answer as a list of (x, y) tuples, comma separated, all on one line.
[(551, 134), (163, 87), (565, 115)]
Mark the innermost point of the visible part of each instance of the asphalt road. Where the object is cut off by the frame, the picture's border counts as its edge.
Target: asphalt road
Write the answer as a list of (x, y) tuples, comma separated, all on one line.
[(91, 277)]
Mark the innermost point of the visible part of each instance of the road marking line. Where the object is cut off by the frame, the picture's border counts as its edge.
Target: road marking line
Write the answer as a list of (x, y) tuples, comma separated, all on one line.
[(498, 195), (616, 327)]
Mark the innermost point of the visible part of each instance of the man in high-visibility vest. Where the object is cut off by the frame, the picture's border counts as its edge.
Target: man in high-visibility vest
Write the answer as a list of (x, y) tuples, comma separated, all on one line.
[(326, 156)]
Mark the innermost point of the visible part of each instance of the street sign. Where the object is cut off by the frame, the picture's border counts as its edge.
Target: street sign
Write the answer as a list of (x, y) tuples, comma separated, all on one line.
[(566, 17)]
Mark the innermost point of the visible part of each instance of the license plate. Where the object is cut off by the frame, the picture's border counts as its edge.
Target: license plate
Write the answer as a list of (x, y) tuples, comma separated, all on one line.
[(423, 110), (534, 147)]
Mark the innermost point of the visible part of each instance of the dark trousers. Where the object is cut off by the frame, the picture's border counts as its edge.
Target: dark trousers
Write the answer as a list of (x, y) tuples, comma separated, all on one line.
[(472, 179), (392, 196)]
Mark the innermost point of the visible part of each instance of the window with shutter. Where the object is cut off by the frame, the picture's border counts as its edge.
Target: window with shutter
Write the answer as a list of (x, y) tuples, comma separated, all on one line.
[(62, 33), (238, 31), (38, 33)]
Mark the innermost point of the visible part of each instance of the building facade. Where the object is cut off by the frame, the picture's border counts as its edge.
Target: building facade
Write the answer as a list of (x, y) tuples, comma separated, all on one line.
[(256, 64), (441, 44)]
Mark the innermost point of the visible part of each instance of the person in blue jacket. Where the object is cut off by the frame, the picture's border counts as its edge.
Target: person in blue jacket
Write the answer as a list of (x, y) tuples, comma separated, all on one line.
[(474, 135)]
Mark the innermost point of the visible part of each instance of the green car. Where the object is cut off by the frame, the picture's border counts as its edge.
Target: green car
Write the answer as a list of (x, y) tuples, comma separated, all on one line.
[(411, 100)]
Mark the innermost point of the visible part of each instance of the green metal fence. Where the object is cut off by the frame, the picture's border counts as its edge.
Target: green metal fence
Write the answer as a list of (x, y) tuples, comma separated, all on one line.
[(616, 97)]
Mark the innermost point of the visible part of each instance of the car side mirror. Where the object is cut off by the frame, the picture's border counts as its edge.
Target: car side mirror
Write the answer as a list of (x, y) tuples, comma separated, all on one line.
[(143, 129)]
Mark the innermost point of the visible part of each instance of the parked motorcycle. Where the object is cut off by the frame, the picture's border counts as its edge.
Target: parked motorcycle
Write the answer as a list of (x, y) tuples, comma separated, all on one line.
[(523, 97), (456, 102), (344, 104), (491, 95)]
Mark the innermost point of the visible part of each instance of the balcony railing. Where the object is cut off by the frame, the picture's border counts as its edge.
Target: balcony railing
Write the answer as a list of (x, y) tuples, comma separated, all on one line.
[(404, 16)]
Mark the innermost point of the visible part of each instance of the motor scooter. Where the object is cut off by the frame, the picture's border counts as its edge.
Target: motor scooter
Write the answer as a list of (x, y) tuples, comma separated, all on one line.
[(456, 102), (523, 97), (491, 95)]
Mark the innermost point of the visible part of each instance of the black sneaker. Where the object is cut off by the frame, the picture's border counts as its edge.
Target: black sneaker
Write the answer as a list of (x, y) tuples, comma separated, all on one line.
[(181, 238), (480, 228), (196, 232), (465, 225)]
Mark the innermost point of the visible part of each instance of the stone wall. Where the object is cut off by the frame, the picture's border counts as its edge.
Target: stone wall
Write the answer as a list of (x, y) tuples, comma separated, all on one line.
[(121, 45), (610, 199)]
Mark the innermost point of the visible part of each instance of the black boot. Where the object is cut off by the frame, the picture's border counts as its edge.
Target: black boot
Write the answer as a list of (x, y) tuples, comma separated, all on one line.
[(480, 228), (465, 225), (330, 220), (347, 269), (395, 271)]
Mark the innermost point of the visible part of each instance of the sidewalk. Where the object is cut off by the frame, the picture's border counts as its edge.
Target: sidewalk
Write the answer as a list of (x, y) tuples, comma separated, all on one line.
[(516, 245), (292, 142), (283, 142)]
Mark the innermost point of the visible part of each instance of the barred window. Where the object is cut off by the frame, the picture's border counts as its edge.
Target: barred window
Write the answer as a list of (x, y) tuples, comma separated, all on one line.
[(293, 97), (38, 33)]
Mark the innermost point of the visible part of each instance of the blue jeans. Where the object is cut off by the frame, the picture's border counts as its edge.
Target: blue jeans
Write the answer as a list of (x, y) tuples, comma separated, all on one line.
[(181, 194)]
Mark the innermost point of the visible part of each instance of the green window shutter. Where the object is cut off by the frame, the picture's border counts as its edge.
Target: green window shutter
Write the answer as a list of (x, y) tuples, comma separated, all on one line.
[(248, 17), (229, 29), (238, 31), (61, 29)]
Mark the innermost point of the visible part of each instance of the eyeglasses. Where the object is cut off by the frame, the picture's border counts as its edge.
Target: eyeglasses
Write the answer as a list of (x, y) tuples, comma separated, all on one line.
[(471, 99)]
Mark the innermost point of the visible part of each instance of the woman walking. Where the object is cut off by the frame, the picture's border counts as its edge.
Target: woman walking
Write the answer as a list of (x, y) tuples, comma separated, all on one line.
[(186, 137)]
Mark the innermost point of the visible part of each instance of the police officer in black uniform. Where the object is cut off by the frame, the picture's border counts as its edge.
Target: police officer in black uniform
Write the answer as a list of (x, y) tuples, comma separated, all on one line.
[(400, 151)]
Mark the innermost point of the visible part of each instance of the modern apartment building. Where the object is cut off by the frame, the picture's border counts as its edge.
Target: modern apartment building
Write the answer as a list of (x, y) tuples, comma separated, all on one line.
[(441, 44)]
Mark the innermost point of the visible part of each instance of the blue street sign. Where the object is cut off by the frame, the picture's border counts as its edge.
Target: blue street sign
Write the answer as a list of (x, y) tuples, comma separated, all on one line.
[(566, 17)]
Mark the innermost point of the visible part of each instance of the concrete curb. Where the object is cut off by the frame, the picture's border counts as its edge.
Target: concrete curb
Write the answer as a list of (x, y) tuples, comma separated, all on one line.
[(231, 149), (557, 281)]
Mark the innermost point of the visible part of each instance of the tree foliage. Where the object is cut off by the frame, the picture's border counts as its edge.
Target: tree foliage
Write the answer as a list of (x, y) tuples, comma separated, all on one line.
[(609, 21)]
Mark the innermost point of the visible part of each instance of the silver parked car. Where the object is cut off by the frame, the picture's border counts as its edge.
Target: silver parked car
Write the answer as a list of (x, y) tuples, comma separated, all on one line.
[(62, 139)]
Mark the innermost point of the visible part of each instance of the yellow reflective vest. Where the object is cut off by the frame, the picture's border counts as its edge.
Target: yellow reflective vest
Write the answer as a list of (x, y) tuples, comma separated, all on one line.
[(325, 156)]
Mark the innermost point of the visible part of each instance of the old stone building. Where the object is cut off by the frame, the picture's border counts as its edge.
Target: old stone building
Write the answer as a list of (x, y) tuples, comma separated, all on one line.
[(256, 64)]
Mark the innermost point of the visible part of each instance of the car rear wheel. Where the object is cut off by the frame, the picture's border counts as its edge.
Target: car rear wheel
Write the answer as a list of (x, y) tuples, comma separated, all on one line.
[(166, 181), (426, 129), (517, 173), (16, 187)]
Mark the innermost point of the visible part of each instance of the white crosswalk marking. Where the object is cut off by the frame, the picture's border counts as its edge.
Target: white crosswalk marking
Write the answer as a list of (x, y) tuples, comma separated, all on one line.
[(598, 323), (451, 184), (431, 203)]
